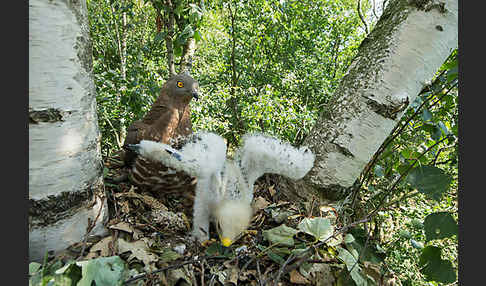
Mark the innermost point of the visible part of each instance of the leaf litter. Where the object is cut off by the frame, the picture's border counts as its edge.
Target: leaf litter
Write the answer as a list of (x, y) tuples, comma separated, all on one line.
[(150, 233)]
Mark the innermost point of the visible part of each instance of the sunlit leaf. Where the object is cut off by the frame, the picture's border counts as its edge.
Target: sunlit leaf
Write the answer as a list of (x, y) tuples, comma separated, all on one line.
[(318, 227)]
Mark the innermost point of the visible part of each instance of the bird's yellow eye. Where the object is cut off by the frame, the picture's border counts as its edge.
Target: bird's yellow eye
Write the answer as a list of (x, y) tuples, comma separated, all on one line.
[(180, 84)]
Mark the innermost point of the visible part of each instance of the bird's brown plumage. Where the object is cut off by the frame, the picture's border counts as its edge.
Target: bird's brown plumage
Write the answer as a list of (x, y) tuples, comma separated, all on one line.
[(169, 122)]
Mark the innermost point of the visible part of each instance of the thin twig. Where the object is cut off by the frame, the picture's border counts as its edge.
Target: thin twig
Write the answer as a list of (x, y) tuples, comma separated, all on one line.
[(403, 175), (403, 197), (374, 9), (202, 271), (281, 269), (259, 274), (118, 142), (361, 17)]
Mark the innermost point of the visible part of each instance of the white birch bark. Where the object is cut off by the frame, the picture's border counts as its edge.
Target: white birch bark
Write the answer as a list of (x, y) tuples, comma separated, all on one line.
[(65, 171), (402, 53)]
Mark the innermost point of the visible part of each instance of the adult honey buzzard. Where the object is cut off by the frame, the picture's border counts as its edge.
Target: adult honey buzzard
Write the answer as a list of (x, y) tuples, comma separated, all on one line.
[(168, 122)]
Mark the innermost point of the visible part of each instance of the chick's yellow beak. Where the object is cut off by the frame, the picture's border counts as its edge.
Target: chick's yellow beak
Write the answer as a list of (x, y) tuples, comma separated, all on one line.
[(226, 241)]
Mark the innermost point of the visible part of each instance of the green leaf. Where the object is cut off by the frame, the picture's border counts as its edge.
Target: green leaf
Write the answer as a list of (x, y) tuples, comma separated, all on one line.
[(434, 268), (452, 73), (429, 180), (426, 115), (177, 50), (282, 235), (379, 171), (197, 36), (103, 271), (439, 225), (417, 223), (169, 255), (416, 244), (348, 258), (318, 227), (443, 127), (434, 131), (160, 37), (70, 274), (275, 257), (34, 267), (348, 238), (404, 233), (184, 35)]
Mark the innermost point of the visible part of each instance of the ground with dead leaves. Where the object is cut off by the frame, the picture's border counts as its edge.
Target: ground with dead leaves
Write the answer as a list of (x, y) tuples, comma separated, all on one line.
[(287, 243)]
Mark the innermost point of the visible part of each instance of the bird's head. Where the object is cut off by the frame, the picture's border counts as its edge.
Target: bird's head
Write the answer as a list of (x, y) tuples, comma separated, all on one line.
[(232, 217), (182, 86)]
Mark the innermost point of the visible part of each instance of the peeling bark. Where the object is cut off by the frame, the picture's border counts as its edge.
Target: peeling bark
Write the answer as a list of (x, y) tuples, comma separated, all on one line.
[(395, 61), (65, 171)]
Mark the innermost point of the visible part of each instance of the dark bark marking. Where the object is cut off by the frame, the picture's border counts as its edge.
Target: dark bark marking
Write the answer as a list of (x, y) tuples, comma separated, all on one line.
[(52, 209), (46, 115), (343, 150), (389, 111), (427, 5)]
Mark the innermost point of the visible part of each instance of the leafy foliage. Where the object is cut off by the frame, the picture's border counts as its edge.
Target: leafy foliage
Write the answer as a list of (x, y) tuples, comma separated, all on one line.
[(101, 271)]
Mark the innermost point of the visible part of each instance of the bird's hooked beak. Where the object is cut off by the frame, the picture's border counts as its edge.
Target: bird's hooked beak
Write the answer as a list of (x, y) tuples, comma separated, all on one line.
[(195, 94)]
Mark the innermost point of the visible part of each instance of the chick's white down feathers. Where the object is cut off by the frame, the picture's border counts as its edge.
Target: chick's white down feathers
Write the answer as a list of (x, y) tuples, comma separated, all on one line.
[(224, 189)]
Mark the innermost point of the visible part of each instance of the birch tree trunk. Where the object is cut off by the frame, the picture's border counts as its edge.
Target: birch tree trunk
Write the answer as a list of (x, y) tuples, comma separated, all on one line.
[(398, 58), (65, 172)]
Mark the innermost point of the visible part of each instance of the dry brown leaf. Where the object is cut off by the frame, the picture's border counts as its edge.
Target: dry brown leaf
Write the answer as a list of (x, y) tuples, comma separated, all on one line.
[(372, 270), (139, 250), (103, 247), (124, 226), (174, 276), (229, 275), (248, 275), (297, 278), (272, 191), (320, 274), (125, 207), (259, 203)]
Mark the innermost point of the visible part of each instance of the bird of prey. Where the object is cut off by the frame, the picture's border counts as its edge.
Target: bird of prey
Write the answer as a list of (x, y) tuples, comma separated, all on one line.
[(224, 189), (169, 122)]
